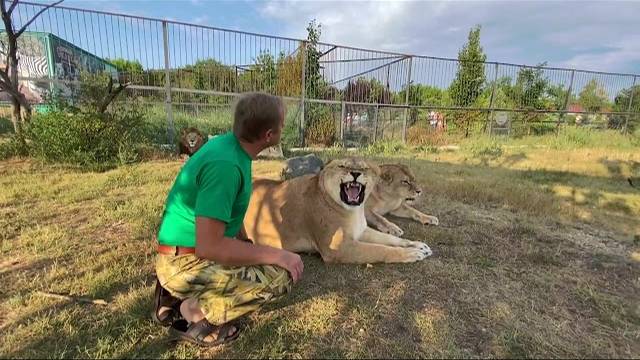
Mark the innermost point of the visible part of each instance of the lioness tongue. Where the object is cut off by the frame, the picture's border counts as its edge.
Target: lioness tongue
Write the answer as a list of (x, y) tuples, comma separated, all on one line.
[(353, 192)]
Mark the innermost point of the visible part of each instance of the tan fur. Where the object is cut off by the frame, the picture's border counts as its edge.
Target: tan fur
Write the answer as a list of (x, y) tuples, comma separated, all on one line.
[(394, 192), (306, 214)]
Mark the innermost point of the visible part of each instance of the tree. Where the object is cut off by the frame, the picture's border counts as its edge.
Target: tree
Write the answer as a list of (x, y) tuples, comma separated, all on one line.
[(529, 89), (593, 97), (128, 66), (369, 91), (621, 104), (290, 73), (313, 76), (210, 74), (467, 85), (21, 109)]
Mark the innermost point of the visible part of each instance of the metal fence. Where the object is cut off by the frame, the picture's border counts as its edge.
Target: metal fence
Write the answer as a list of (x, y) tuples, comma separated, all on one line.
[(189, 74)]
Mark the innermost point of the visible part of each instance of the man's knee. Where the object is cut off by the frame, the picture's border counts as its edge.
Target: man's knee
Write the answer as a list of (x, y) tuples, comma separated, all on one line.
[(280, 281)]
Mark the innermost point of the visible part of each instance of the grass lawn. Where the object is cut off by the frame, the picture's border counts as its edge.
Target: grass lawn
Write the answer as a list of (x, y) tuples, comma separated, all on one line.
[(537, 255)]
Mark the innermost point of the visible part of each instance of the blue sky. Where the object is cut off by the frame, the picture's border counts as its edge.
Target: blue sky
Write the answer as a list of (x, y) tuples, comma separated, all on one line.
[(593, 35)]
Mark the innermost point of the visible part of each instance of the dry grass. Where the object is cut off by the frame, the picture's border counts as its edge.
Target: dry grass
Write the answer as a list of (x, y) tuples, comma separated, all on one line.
[(535, 257)]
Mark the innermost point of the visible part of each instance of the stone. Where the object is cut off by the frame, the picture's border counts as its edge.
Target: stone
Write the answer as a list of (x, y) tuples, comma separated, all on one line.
[(302, 165), (273, 152)]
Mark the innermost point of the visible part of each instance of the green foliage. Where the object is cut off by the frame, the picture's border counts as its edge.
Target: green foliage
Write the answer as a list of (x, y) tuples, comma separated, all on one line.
[(10, 147), (128, 66), (6, 127), (529, 88), (367, 90), (208, 74), (386, 148), (467, 85), (320, 128), (91, 140), (313, 78), (78, 134), (593, 97)]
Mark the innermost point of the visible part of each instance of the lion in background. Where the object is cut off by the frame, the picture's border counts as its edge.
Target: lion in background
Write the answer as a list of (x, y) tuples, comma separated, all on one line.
[(191, 140), (325, 214), (393, 194)]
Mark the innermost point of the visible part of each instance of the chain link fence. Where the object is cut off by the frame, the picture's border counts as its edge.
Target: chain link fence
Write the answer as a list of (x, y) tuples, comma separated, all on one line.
[(189, 75)]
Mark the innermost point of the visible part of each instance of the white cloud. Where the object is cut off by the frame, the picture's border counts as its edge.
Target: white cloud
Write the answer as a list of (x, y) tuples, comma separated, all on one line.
[(569, 33)]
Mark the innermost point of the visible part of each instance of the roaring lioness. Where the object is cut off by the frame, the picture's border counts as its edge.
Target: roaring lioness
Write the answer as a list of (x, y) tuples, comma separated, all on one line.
[(324, 213), (393, 194)]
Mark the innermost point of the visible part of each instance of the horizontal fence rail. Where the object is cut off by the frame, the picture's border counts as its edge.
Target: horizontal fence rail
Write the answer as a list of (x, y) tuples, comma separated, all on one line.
[(334, 93)]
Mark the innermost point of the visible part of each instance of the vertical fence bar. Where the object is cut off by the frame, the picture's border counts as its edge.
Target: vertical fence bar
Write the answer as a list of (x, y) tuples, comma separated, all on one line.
[(375, 124), (493, 92), (342, 122), (303, 93), (406, 102), (626, 121), (167, 84), (566, 101)]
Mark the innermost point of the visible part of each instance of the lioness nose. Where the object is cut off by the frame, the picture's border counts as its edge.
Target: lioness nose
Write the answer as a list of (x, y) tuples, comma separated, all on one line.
[(355, 175)]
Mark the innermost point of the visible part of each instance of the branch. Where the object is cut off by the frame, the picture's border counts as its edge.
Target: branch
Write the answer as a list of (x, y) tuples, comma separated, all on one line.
[(13, 6), (24, 27), (112, 95), (79, 299)]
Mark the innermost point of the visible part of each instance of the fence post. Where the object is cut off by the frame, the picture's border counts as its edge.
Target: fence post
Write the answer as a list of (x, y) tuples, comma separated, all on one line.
[(566, 101), (493, 92), (303, 93), (167, 85), (406, 102), (626, 122), (375, 124), (342, 122)]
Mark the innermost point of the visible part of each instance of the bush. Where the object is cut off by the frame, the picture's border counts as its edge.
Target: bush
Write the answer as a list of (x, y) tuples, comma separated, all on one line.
[(10, 147), (87, 139), (320, 126), (483, 148)]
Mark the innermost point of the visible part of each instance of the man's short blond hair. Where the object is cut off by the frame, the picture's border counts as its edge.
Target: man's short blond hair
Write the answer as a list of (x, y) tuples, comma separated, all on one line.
[(255, 113)]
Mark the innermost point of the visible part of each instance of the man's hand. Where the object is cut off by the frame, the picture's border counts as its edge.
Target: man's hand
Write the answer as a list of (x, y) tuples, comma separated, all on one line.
[(291, 262), (211, 244)]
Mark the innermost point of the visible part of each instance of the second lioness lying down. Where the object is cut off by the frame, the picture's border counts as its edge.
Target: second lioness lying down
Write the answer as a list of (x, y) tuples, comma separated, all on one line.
[(393, 194)]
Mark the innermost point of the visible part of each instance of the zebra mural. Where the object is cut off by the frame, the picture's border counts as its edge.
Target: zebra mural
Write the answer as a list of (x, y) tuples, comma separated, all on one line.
[(32, 64), (46, 56)]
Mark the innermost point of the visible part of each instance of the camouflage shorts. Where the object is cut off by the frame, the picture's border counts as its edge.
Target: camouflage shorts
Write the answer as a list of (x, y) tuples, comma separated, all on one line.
[(224, 293)]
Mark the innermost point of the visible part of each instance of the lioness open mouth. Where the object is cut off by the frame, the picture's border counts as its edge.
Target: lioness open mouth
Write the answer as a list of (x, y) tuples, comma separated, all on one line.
[(352, 193)]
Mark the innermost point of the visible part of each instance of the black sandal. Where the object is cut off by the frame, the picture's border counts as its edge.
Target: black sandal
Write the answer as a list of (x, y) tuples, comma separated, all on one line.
[(163, 298), (196, 332)]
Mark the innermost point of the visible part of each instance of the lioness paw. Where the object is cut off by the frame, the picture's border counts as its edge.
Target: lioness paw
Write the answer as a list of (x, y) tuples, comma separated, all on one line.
[(422, 247), (429, 220), (413, 255), (395, 230)]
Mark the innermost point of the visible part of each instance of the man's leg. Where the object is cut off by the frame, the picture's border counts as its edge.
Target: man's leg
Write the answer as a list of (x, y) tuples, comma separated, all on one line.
[(218, 293)]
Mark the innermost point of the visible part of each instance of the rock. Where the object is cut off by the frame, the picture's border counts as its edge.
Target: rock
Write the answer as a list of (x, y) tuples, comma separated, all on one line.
[(274, 152), (302, 165)]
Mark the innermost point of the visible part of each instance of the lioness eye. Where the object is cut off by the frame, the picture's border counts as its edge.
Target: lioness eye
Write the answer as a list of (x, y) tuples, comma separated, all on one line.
[(405, 182)]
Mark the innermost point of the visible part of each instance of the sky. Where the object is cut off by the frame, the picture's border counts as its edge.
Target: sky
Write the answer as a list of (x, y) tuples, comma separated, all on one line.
[(592, 35)]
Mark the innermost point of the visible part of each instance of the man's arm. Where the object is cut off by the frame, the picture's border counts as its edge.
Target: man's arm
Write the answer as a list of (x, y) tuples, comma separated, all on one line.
[(242, 234), (211, 244)]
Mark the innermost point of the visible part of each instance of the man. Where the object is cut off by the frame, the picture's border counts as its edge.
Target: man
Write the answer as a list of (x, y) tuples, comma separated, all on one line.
[(208, 276)]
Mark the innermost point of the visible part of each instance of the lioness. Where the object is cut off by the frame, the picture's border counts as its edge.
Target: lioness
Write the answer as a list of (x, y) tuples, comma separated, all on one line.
[(191, 140), (393, 194), (324, 213)]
